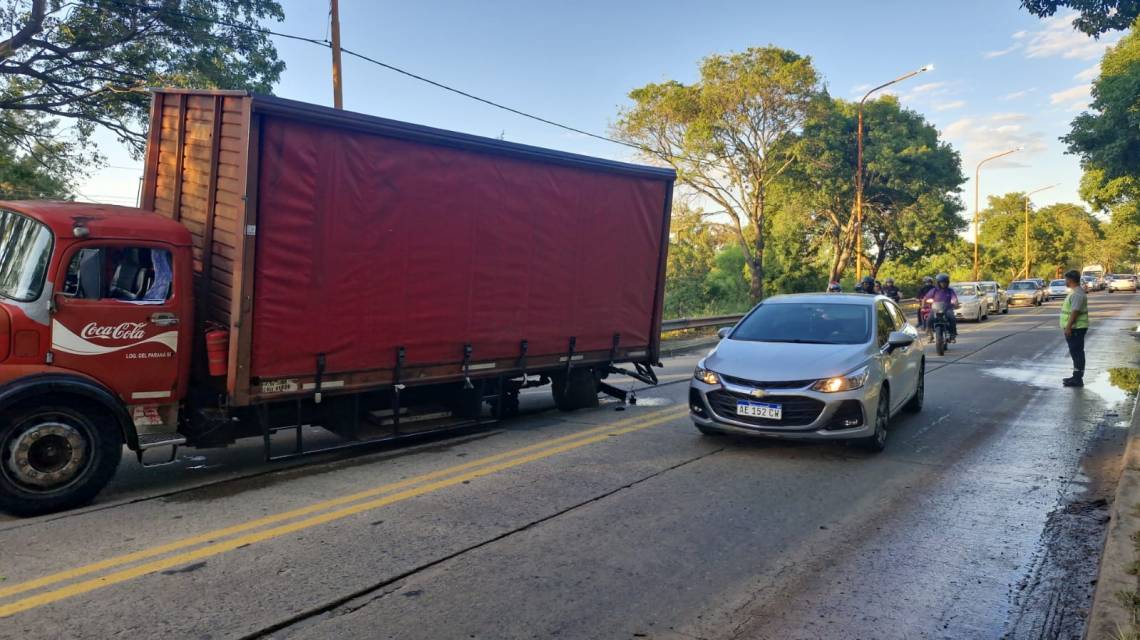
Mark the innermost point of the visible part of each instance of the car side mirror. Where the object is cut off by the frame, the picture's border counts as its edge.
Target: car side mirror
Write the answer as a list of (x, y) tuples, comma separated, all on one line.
[(899, 339), (723, 332)]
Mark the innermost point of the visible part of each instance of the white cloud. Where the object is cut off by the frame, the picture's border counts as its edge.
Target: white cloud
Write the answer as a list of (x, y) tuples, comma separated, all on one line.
[(927, 87), (861, 88), (948, 106), (1058, 38), (989, 55), (1010, 116), (1089, 74), (1017, 94), (980, 136), (1073, 98), (1018, 35)]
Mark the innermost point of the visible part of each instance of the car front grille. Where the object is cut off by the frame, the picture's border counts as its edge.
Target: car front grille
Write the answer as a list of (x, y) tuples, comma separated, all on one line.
[(797, 411), (783, 384)]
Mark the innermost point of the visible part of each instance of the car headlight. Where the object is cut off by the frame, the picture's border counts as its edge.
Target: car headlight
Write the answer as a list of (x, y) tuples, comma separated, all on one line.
[(854, 380), (706, 376)]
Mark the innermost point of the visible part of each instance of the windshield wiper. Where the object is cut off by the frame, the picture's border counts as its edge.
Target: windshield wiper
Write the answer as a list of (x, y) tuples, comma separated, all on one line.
[(801, 341)]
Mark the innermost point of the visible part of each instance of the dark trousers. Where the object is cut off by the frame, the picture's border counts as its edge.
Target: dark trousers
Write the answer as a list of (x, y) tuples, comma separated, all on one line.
[(1076, 341)]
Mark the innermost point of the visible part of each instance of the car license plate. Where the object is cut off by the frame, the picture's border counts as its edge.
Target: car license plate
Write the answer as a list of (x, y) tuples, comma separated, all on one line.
[(759, 410)]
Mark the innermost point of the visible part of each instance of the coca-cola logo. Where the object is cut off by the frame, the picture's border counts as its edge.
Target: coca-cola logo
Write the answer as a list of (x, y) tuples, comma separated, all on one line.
[(122, 331)]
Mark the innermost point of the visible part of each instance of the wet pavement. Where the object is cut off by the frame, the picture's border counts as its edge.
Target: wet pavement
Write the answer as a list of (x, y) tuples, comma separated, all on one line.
[(983, 519)]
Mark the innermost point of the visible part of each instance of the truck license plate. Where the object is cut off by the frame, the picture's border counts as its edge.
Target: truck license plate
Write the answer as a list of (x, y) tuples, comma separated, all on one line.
[(759, 410)]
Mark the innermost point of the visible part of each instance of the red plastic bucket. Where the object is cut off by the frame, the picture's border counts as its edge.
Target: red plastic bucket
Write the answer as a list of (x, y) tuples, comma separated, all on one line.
[(217, 350)]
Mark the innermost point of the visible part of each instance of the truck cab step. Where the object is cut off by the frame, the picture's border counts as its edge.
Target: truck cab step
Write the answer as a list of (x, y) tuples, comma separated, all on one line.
[(155, 440)]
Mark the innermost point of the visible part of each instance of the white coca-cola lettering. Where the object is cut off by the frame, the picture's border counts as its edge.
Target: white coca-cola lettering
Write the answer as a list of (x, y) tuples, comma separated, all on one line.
[(123, 331)]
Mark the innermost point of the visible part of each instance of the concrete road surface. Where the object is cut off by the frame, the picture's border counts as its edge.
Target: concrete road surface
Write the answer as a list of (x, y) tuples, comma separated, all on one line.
[(983, 519)]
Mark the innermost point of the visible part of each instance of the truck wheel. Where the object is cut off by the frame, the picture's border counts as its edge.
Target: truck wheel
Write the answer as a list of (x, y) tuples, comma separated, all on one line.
[(54, 457), (580, 393)]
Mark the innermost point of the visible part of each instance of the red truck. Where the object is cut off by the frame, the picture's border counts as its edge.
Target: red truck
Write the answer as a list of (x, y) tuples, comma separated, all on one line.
[(297, 265)]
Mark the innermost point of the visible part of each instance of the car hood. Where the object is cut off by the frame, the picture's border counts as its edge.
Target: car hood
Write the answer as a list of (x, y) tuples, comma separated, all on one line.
[(781, 361), (1027, 294)]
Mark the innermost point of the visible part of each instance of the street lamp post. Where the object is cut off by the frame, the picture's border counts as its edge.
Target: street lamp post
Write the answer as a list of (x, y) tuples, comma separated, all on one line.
[(1027, 224), (859, 168), (977, 192)]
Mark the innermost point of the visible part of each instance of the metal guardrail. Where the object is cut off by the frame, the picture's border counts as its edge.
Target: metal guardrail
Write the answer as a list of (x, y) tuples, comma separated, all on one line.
[(908, 305)]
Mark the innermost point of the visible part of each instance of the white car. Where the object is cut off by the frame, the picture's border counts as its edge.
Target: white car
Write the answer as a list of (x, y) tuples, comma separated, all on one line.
[(811, 366), (1057, 289), (1122, 282), (971, 303)]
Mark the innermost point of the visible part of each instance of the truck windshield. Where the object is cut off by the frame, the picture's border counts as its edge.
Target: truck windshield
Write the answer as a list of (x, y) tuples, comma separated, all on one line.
[(25, 249)]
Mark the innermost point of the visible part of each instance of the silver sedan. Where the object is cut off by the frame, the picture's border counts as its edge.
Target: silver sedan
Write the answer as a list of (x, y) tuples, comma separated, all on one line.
[(811, 366)]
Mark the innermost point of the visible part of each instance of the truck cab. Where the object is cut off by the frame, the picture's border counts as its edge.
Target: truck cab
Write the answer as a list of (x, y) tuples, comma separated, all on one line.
[(96, 319)]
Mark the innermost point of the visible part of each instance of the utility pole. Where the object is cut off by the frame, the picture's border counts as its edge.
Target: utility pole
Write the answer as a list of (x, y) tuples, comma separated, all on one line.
[(1027, 225), (977, 201), (859, 169), (334, 17)]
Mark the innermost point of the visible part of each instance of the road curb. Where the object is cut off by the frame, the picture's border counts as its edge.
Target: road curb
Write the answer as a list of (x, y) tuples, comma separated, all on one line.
[(1109, 617)]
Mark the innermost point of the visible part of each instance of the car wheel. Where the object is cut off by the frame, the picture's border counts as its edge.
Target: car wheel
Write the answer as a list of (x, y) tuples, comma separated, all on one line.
[(914, 405), (877, 441), (1006, 308), (709, 431)]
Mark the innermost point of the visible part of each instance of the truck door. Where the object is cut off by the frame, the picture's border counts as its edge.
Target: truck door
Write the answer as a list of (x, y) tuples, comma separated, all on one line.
[(117, 319)]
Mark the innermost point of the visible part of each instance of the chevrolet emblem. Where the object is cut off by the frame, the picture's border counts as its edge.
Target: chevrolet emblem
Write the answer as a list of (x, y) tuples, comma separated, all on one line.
[(758, 393)]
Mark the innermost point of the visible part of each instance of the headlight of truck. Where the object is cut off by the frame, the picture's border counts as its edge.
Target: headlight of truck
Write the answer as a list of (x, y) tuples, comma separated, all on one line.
[(854, 380), (706, 376)]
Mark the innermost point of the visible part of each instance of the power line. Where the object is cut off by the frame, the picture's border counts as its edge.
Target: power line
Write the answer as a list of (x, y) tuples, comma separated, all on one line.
[(326, 44)]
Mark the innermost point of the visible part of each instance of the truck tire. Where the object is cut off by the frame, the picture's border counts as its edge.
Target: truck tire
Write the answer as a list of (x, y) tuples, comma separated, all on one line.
[(580, 392), (55, 457)]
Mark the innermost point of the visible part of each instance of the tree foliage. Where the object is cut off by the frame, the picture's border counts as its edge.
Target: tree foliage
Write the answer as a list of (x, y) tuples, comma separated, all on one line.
[(727, 134), (71, 67), (1107, 140), (1095, 18), (1061, 236), (911, 179)]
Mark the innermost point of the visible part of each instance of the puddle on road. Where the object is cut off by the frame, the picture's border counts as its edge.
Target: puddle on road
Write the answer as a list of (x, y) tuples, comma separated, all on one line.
[(1113, 386), (653, 402)]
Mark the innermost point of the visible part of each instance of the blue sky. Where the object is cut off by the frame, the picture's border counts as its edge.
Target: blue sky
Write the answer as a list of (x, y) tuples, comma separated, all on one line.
[(1002, 77)]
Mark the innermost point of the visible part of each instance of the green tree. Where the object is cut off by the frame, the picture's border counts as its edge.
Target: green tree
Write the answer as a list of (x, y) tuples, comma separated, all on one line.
[(911, 180), (71, 67), (726, 134), (1096, 16), (1061, 236), (692, 249)]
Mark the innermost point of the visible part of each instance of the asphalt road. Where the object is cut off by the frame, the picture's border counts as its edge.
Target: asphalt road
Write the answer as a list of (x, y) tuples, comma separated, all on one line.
[(981, 520)]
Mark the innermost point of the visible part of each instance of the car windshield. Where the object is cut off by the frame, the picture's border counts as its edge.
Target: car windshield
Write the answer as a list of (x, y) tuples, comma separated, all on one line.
[(807, 322), (988, 288), (1022, 286), (25, 248), (1057, 283), (967, 290)]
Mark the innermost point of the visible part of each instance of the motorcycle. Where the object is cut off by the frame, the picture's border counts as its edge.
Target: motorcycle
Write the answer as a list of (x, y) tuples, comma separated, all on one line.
[(937, 326)]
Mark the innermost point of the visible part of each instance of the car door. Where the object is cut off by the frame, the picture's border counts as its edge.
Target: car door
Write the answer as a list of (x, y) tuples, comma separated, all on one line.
[(894, 360), (911, 355)]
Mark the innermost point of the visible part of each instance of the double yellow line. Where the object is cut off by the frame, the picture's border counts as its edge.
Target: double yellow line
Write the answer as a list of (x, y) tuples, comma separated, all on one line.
[(220, 541)]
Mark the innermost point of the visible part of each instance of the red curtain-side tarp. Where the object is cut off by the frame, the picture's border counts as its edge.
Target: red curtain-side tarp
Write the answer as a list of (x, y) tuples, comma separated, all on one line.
[(366, 243)]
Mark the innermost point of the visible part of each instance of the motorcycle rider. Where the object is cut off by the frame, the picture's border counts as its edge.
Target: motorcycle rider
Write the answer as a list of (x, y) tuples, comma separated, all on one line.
[(927, 286), (834, 288), (890, 290), (866, 286), (943, 293)]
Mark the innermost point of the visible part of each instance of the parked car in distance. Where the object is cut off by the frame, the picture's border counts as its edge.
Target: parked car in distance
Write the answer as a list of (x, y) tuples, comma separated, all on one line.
[(997, 300), (1122, 282), (971, 302), (1057, 289), (811, 366), (1025, 292)]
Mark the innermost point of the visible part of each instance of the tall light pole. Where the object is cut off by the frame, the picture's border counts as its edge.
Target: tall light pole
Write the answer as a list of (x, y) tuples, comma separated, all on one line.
[(334, 19), (977, 191), (1027, 224), (859, 168)]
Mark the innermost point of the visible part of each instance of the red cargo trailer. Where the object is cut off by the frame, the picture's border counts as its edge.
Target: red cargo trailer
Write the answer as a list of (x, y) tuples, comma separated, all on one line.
[(374, 277)]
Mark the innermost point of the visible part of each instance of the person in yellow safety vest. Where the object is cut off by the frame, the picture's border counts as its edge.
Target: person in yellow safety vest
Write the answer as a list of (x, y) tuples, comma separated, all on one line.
[(1075, 324)]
